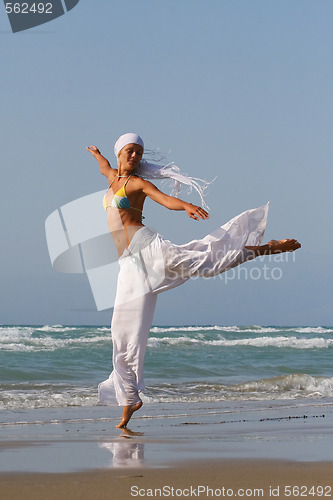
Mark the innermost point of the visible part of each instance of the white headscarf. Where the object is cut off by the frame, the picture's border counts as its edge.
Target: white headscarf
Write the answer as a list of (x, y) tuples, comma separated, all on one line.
[(148, 170), (127, 139)]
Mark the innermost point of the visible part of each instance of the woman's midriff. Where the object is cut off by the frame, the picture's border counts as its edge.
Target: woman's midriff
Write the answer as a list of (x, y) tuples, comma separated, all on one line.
[(123, 225)]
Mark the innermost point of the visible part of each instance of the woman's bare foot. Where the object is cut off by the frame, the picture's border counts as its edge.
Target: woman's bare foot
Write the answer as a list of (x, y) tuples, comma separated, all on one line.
[(275, 246), (283, 246), (128, 432), (127, 413)]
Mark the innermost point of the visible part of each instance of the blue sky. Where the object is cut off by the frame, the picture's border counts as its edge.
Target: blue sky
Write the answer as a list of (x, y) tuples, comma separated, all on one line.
[(238, 90)]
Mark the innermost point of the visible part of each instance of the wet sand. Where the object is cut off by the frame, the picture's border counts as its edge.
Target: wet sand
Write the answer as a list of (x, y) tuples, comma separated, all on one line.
[(217, 450), (219, 478)]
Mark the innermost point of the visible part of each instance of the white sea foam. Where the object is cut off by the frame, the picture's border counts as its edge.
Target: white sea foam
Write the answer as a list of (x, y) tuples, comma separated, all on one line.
[(49, 344), (42, 396), (193, 329), (279, 341), (56, 328), (28, 339), (287, 387), (277, 388), (163, 329), (51, 338), (242, 329), (293, 385), (311, 329)]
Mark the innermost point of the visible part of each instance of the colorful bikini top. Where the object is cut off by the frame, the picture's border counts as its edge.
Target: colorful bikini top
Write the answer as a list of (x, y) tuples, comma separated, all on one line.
[(120, 199)]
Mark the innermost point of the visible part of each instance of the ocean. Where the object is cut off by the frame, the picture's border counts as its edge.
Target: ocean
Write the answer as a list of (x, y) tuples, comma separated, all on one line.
[(60, 366)]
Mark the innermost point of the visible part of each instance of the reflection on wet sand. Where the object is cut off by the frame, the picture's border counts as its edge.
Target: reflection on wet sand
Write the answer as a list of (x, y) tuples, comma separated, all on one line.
[(126, 452)]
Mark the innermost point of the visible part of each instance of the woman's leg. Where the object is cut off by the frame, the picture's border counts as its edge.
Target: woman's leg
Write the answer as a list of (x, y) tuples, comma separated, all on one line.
[(275, 246), (127, 413), (232, 244), (130, 329)]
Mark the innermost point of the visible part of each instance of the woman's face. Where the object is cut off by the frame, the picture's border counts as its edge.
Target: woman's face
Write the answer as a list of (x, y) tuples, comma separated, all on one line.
[(130, 156)]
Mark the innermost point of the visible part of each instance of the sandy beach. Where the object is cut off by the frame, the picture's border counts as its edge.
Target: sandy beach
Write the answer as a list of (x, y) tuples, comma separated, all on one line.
[(280, 450), (208, 479)]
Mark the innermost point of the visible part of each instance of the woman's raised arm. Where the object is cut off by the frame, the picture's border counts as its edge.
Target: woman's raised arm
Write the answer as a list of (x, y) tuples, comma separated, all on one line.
[(104, 165), (172, 203)]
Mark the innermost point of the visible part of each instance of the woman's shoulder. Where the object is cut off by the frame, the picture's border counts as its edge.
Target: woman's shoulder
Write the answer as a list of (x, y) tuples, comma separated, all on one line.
[(138, 181), (112, 174), (140, 185)]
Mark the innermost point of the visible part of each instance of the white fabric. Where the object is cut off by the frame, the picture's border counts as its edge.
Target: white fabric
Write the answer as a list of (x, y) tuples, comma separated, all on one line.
[(125, 139), (152, 265), (148, 170)]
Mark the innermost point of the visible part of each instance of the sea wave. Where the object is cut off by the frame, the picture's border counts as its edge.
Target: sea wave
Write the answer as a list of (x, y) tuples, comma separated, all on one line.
[(52, 338), (49, 338), (311, 329), (293, 384), (56, 328), (288, 387), (50, 344), (279, 341), (277, 388), (215, 328), (28, 397), (241, 329)]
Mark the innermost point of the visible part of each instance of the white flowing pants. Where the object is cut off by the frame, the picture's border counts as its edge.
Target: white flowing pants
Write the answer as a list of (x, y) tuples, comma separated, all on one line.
[(152, 265)]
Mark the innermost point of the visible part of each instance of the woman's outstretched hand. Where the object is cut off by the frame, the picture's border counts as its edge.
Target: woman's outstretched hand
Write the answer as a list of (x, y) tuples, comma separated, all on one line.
[(104, 165), (93, 150), (195, 212)]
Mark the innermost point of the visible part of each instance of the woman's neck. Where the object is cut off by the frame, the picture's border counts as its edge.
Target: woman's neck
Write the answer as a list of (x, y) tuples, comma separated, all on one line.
[(124, 173)]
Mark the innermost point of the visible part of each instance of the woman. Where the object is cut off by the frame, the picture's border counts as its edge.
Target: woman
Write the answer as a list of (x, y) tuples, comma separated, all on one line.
[(149, 264)]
